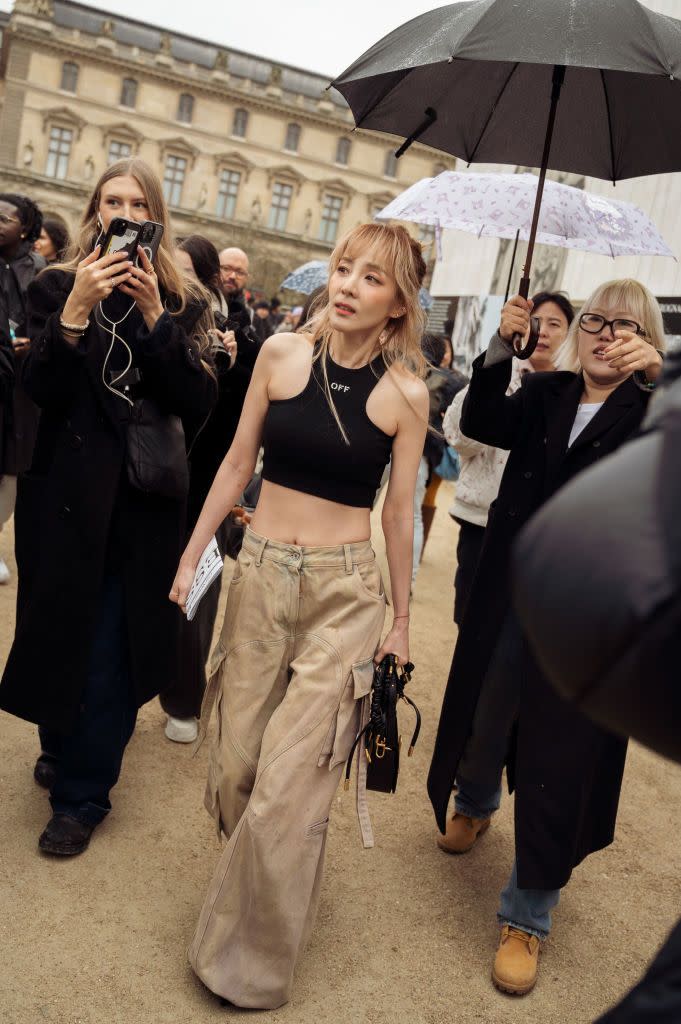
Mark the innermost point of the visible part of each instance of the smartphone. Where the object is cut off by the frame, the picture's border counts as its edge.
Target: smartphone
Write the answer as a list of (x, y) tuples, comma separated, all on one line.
[(150, 239), (121, 236)]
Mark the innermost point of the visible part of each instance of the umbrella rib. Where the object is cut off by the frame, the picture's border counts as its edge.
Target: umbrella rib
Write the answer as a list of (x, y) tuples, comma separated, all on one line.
[(471, 158), (607, 107)]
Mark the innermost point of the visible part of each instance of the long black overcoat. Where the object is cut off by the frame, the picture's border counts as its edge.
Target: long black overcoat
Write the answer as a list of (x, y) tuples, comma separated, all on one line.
[(566, 771), (66, 502)]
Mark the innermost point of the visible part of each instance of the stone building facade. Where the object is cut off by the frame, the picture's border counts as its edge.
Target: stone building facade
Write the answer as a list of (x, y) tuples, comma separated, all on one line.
[(251, 153)]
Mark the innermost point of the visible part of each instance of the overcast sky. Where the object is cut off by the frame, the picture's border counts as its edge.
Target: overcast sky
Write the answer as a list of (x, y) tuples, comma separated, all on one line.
[(321, 35)]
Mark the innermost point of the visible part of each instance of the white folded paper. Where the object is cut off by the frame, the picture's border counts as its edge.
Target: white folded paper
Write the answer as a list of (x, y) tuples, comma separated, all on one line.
[(207, 571)]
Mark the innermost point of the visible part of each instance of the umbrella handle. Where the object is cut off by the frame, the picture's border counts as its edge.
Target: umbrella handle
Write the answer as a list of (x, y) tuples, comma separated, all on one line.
[(524, 352)]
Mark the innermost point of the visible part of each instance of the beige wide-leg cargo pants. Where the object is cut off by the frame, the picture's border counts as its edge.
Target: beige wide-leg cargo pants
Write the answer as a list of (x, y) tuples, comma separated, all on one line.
[(292, 666)]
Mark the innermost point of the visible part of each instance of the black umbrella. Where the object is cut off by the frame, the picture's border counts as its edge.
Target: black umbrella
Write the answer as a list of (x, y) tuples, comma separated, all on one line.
[(587, 86)]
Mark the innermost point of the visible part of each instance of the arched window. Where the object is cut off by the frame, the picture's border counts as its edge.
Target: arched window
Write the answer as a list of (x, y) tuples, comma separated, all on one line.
[(292, 138), (185, 108), (58, 152), (240, 125), (390, 166), (331, 211), (173, 179), (129, 93), (69, 76), (343, 151)]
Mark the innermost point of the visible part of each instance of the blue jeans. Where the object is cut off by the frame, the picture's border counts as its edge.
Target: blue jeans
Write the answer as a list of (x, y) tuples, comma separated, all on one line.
[(527, 909), (88, 761), (419, 495)]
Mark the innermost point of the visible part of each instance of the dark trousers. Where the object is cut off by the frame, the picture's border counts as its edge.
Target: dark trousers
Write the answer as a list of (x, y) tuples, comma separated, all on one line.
[(88, 761), (182, 699), (468, 550)]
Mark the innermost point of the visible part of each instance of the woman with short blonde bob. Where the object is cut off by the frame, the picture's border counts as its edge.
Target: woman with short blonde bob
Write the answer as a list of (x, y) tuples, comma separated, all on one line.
[(498, 709), (306, 604), (96, 545)]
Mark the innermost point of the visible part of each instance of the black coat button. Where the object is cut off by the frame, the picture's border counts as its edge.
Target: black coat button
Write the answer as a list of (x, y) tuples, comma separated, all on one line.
[(76, 441), (528, 475), (512, 513), (597, 444), (64, 511)]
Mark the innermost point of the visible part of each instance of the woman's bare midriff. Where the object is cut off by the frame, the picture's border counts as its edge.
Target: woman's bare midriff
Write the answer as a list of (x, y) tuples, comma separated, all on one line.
[(292, 517)]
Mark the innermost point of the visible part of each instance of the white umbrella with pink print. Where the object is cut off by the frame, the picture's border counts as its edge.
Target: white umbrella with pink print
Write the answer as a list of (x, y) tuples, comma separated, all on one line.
[(501, 205)]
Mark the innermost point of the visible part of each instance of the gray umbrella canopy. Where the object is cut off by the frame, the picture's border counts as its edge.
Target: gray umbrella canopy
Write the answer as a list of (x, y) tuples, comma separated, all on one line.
[(477, 78)]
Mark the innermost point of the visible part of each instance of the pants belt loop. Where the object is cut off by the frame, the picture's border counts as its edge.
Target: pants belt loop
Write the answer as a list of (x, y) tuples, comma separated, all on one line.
[(347, 550), (261, 547)]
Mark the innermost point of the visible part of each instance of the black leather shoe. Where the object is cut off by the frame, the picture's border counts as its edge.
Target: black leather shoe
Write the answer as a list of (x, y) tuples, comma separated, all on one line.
[(64, 836), (45, 771)]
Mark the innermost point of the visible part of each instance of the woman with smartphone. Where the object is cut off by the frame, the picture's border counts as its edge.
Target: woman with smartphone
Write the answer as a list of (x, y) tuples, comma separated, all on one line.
[(306, 604), (116, 357)]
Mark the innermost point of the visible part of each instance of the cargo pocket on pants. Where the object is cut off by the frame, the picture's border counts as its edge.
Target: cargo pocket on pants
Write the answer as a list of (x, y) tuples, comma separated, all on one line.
[(345, 725)]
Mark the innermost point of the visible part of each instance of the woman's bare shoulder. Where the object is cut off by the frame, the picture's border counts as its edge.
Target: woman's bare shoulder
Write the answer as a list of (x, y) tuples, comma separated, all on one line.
[(286, 345), (412, 388)]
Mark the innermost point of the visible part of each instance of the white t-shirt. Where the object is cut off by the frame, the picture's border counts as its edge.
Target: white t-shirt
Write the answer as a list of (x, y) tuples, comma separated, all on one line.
[(585, 413)]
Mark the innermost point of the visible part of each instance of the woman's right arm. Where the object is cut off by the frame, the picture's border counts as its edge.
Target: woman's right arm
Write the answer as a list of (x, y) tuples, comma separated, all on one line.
[(489, 415), (234, 473)]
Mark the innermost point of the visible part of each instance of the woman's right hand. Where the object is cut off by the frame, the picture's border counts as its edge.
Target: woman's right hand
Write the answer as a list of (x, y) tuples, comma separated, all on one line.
[(184, 578), (515, 318), (95, 279)]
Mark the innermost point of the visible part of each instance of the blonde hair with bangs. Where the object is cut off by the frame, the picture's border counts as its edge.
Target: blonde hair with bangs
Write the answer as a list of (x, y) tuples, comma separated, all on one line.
[(171, 280), (626, 295), (402, 258)]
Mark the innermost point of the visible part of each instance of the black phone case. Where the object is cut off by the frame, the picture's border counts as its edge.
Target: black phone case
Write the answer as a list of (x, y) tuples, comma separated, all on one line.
[(114, 231), (151, 245)]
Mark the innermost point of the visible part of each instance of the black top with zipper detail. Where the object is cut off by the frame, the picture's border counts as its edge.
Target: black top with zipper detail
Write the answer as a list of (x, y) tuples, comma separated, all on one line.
[(304, 448)]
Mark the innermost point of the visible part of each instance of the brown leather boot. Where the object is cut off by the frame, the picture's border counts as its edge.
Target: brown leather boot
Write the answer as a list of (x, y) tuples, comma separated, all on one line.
[(462, 833), (516, 962)]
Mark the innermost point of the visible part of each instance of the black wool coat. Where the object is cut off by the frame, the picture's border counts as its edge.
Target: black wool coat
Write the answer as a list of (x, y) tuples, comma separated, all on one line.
[(566, 771), (75, 499)]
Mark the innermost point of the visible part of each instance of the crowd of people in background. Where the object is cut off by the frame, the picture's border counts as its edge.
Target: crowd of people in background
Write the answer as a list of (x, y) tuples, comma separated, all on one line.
[(97, 349)]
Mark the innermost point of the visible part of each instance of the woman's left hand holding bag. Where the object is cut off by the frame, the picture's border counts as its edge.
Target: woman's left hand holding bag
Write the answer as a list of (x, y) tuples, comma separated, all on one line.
[(396, 641), (143, 287)]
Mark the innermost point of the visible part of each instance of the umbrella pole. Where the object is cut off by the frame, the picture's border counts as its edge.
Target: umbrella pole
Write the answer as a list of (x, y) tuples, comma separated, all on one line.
[(524, 290), (510, 273)]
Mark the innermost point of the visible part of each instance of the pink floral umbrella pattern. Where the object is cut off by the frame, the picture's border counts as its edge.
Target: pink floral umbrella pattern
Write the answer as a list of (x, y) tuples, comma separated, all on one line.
[(501, 205)]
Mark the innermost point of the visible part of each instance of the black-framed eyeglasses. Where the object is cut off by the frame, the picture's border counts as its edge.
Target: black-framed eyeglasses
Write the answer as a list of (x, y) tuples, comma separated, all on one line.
[(593, 323), (6, 219)]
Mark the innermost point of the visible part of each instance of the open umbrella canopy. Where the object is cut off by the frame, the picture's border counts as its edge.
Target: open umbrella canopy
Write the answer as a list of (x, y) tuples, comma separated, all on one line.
[(501, 205), (315, 274), (475, 79), (307, 277)]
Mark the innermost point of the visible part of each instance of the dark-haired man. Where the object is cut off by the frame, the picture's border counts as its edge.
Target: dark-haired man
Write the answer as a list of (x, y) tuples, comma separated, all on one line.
[(20, 224)]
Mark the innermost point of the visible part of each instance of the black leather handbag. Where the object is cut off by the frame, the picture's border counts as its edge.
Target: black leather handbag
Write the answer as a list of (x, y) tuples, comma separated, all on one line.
[(156, 451), (381, 736)]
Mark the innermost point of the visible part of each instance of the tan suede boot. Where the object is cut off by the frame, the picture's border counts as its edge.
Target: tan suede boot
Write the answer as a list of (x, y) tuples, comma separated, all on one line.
[(462, 833), (516, 962)]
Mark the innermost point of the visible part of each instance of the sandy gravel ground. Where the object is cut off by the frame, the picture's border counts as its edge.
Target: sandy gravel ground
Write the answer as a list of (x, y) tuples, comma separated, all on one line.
[(404, 931)]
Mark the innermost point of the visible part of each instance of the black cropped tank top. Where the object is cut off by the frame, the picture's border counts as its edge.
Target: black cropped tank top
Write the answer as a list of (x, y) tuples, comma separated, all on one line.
[(304, 448)]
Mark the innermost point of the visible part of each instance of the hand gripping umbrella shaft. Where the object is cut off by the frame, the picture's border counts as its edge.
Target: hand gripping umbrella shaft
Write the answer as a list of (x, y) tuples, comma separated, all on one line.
[(524, 290)]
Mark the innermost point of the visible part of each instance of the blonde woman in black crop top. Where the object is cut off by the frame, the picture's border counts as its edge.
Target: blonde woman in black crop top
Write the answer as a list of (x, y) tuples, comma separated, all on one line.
[(306, 607)]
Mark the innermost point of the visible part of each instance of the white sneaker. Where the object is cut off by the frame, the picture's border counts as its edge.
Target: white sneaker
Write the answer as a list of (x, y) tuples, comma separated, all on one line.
[(182, 730), (5, 574)]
